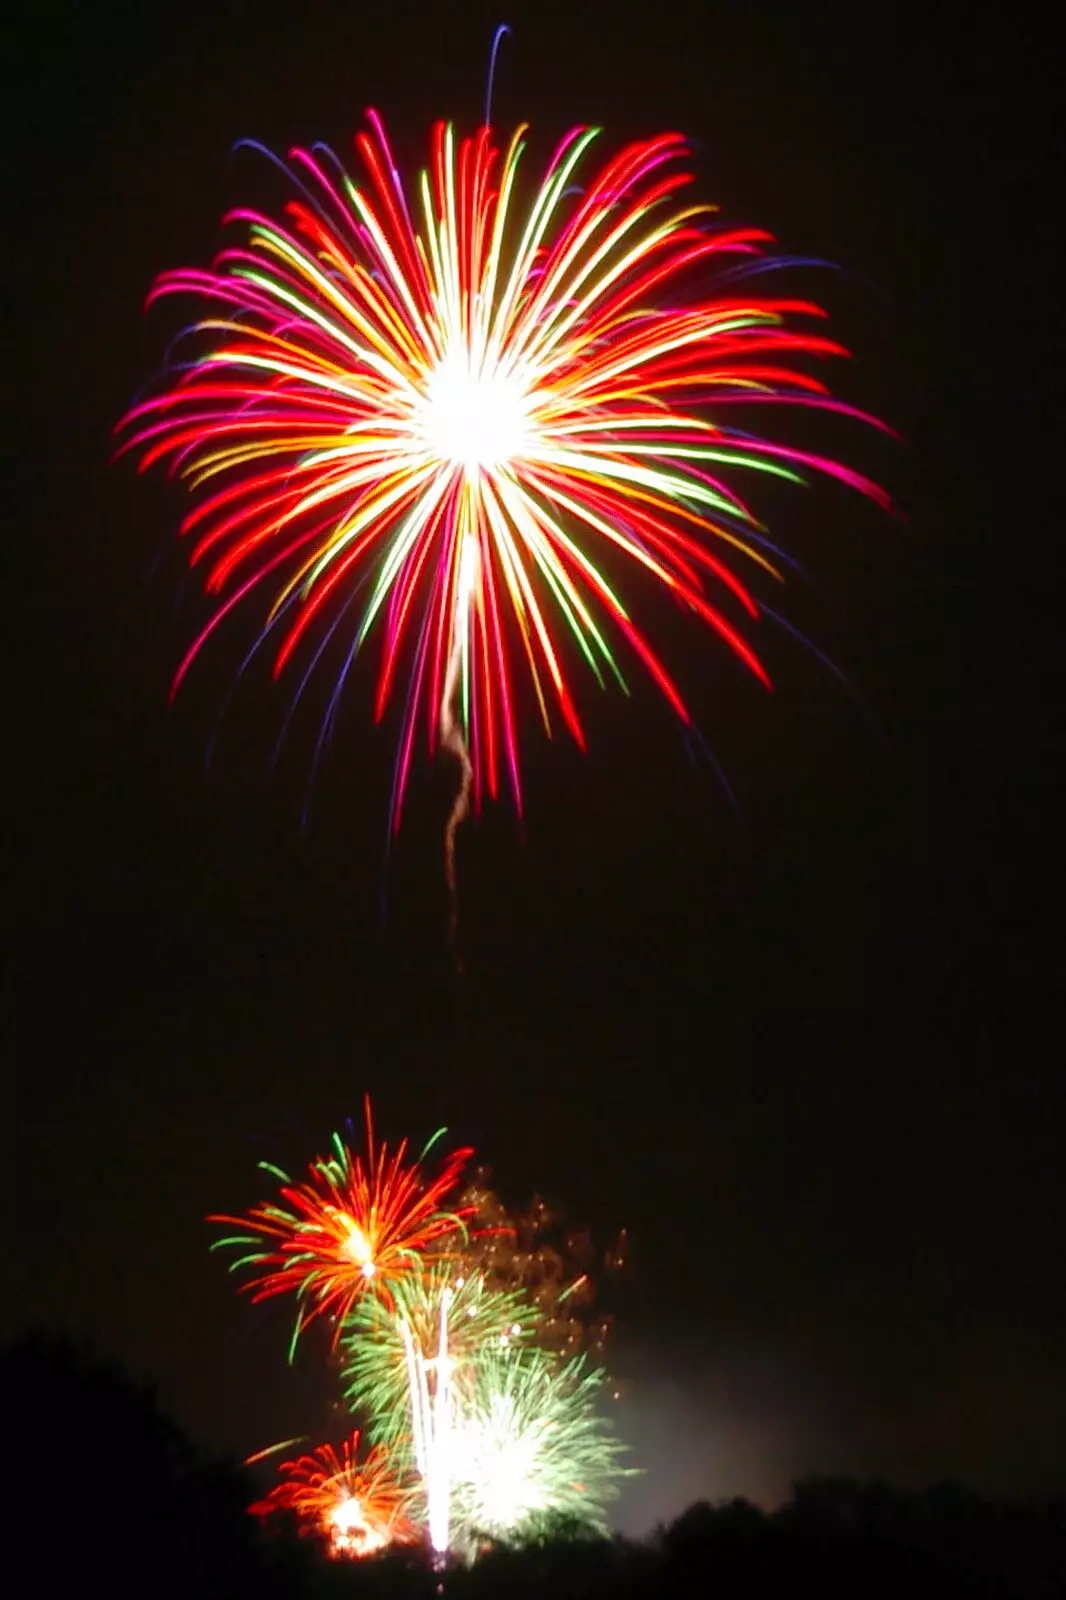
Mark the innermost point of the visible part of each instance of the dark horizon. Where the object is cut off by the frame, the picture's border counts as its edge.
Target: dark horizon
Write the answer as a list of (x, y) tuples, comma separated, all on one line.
[(808, 1050)]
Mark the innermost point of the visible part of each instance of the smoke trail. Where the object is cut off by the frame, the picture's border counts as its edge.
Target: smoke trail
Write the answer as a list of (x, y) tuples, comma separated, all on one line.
[(452, 729)]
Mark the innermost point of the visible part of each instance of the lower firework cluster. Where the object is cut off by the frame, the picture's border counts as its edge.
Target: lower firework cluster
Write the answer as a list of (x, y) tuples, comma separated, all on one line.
[(466, 1352)]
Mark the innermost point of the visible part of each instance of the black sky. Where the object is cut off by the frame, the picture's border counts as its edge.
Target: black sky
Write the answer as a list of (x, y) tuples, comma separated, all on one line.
[(809, 1053)]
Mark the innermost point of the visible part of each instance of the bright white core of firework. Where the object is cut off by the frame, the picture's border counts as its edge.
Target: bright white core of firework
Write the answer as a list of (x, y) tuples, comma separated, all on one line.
[(474, 417)]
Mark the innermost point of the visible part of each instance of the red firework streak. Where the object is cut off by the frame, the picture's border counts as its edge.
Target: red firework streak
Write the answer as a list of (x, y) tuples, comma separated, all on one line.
[(358, 1507), (354, 1226)]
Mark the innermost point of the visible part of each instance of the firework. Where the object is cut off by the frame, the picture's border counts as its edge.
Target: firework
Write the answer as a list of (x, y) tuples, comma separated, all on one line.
[(353, 1228), (532, 1253), (379, 1339), (450, 1317), (359, 1508), (468, 434), (409, 1364), (528, 1445)]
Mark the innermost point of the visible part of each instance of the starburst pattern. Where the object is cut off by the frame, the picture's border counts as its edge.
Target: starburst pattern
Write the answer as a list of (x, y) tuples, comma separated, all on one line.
[(529, 1442), (357, 1507), (381, 1342), (354, 1227), (468, 434)]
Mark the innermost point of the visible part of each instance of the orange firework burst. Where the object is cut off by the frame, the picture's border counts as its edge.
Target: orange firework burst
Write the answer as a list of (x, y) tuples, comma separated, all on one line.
[(359, 1507), (353, 1226), (532, 1252)]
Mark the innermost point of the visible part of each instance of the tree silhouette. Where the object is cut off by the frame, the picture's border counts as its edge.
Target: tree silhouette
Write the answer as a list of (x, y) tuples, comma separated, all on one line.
[(109, 1487), (109, 1495)]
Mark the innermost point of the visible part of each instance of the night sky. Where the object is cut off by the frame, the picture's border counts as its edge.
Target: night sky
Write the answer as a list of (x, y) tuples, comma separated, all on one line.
[(807, 1049)]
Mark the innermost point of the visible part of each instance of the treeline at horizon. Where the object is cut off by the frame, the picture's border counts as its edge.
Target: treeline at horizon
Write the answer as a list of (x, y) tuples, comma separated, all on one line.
[(109, 1491)]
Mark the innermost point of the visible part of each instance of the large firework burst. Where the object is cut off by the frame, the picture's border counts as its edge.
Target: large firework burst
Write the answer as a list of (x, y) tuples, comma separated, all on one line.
[(468, 433), (353, 1227), (381, 1343), (529, 1442)]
